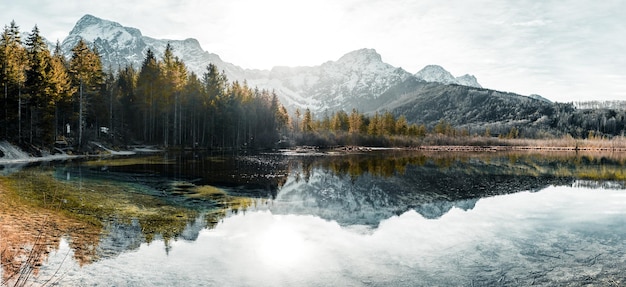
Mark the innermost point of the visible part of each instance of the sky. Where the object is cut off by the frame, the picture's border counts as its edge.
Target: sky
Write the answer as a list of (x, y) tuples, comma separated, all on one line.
[(564, 50)]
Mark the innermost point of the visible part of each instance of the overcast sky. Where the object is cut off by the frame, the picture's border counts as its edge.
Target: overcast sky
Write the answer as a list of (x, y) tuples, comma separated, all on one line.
[(562, 50)]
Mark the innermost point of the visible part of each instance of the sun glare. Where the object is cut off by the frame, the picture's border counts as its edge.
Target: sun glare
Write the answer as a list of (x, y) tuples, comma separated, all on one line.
[(283, 246)]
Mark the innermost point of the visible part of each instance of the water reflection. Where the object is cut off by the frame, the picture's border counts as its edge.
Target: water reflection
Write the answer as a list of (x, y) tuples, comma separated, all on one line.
[(558, 236), (401, 217)]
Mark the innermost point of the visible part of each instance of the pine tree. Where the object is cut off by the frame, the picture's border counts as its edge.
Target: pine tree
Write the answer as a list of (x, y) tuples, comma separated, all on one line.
[(280, 112), (307, 121), (13, 63), (388, 124), (147, 90), (215, 84), (38, 83), (174, 73), (192, 105), (402, 126), (356, 122), (129, 117), (86, 73), (374, 126), (296, 122), (339, 122)]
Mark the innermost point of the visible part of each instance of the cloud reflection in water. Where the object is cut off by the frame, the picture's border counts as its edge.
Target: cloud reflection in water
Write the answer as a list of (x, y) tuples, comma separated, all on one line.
[(558, 235)]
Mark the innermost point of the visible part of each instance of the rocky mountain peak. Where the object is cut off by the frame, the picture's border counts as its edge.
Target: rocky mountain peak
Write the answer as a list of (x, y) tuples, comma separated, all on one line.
[(87, 20), (120, 46), (357, 79), (362, 56), (90, 28), (468, 80), (437, 74)]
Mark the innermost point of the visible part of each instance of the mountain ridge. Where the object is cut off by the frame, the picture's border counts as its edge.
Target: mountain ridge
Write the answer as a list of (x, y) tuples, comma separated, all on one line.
[(351, 81)]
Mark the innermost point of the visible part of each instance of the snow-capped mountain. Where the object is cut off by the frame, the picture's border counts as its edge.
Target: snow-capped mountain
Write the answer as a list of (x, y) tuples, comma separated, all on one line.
[(437, 74), (468, 80), (349, 82), (121, 46), (355, 80)]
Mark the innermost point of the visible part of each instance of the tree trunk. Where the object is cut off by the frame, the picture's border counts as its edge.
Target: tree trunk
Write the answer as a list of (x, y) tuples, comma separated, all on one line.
[(80, 115), (19, 113), (6, 112), (111, 114)]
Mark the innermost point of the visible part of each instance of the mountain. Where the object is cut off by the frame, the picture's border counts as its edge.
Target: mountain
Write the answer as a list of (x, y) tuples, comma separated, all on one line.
[(591, 105), (121, 46), (437, 74), (356, 80), (431, 188), (468, 80), (472, 108), (350, 82), (359, 79)]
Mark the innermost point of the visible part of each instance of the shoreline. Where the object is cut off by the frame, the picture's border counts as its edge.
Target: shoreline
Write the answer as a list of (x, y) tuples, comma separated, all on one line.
[(462, 148)]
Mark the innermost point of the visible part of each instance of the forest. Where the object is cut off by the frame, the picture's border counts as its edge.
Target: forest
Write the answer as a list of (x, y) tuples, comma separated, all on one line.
[(50, 100)]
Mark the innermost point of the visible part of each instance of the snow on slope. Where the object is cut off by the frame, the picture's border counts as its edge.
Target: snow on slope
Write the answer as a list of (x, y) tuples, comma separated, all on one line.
[(434, 73), (468, 80), (121, 46), (347, 83), (350, 82)]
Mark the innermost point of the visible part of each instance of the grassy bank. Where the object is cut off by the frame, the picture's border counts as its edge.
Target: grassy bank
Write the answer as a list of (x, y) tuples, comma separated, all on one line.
[(480, 143)]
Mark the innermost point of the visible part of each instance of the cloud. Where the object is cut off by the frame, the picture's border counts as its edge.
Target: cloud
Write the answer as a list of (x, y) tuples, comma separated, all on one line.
[(532, 23)]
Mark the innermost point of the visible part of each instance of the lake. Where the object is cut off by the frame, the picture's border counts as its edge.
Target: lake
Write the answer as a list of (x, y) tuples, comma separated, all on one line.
[(377, 218)]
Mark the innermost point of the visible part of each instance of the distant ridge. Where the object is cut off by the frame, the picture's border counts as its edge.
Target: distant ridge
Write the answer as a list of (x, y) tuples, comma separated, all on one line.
[(437, 74), (361, 80), (355, 80)]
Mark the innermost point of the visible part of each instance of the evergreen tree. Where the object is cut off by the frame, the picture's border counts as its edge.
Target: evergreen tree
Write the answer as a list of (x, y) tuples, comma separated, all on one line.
[(148, 83), (356, 122), (340, 122), (174, 74), (214, 92), (280, 112), (296, 122), (130, 120), (60, 89), (402, 126), (374, 126), (388, 123), (13, 63), (86, 73), (307, 121), (193, 108), (38, 83)]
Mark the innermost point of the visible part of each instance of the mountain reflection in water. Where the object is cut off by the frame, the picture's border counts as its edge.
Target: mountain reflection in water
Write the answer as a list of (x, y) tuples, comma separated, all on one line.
[(183, 199)]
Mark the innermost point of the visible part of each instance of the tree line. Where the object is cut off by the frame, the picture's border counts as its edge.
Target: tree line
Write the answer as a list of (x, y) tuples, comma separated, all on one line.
[(49, 99), (340, 128)]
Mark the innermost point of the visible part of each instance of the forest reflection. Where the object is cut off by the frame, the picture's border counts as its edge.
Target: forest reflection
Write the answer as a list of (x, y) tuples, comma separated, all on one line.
[(106, 207), (574, 165)]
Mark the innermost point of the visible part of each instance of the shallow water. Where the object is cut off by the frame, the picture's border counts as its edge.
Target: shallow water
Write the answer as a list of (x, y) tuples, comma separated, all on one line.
[(379, 219)]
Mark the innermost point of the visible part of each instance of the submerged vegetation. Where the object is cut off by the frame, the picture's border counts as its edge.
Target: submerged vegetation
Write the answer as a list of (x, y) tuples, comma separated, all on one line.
[(55, 104), (39, 206), (52, 103), (157, 198)]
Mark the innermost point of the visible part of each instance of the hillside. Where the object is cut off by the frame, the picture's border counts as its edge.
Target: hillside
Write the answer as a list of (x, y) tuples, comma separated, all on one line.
[(355, 80), (362, 80)]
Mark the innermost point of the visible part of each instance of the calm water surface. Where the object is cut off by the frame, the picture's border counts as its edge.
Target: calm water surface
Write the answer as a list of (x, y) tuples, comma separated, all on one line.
[(375, 219)]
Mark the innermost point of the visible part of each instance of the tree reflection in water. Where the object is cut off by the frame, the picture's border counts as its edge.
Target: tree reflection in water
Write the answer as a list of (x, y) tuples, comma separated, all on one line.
[(107, 207)]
